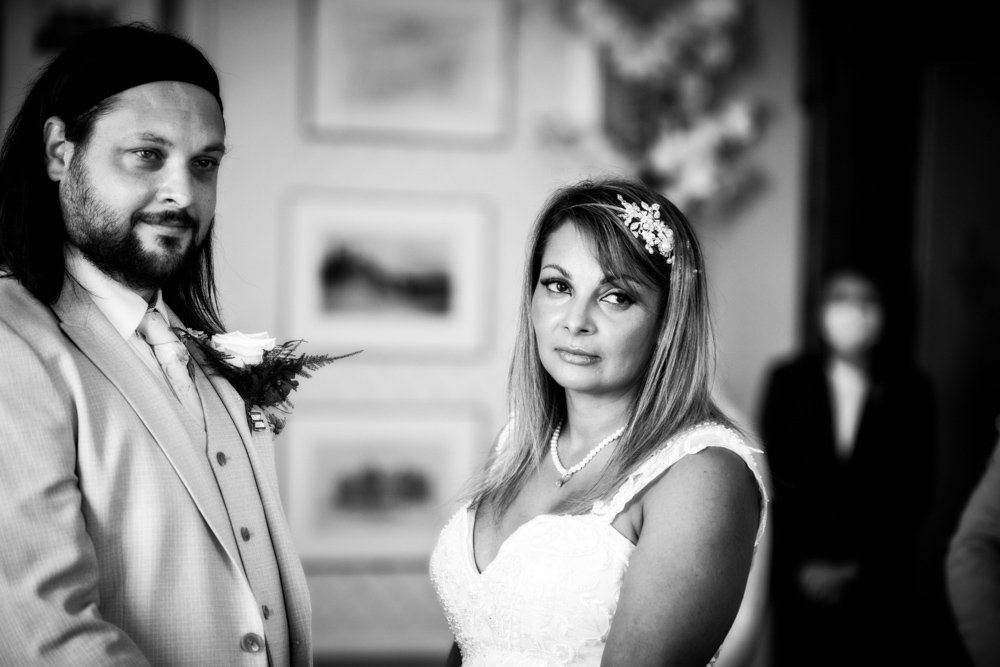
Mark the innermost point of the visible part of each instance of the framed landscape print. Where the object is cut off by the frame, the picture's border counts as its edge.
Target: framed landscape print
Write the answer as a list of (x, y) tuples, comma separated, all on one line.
[(371, 485), (407, 69), (397, 275)]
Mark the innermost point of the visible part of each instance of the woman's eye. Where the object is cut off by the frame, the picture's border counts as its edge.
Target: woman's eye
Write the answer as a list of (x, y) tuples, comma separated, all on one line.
[(146, 154), (619, 299), (555, 285)]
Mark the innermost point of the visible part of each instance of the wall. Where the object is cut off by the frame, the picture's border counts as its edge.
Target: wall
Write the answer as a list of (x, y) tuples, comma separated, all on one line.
[(754, 260)]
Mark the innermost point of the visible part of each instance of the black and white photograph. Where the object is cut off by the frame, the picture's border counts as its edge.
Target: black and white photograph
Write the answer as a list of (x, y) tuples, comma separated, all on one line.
[(372, 483), (396, 275), (398, 70), (493, 333)]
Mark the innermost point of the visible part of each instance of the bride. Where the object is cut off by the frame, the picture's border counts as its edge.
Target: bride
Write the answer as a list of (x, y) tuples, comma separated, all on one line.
[(616, 519)]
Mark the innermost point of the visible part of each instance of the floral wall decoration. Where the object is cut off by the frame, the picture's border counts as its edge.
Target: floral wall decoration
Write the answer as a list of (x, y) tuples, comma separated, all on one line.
[(669, 71)]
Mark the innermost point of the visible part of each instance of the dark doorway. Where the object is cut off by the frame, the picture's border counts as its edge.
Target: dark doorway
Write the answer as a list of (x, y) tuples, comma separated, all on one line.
[(902, 104)]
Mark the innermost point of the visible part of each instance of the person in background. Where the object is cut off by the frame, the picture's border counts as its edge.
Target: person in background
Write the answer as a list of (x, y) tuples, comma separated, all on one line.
[(848, 431), (139, 510), (972, 568), (616, 519)]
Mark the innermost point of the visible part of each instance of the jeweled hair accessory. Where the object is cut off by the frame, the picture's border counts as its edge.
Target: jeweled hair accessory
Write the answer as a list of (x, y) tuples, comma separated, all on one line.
[(643, 220)]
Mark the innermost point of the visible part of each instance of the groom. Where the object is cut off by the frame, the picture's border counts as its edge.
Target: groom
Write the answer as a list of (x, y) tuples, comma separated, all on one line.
[(139, 513)]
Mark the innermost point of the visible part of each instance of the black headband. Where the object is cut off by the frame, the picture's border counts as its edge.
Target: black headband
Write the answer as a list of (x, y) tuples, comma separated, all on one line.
[(105, 62)]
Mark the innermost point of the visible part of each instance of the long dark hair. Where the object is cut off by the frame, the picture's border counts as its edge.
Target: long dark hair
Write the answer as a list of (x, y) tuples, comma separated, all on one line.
[(32, 230)]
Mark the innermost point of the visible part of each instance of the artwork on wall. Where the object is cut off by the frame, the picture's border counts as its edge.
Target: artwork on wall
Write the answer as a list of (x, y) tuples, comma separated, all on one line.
[(407, 69), (670, 107), (397, 275), (371, 484)]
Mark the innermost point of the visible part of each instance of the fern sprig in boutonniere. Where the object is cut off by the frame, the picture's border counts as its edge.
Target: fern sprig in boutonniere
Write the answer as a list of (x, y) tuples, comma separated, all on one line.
[(261, 371)]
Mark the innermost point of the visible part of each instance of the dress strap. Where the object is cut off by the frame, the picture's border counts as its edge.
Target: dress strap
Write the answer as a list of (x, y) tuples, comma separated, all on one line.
[(690, 441)]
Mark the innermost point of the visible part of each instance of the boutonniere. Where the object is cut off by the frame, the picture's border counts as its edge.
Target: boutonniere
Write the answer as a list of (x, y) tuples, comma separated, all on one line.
[(263, 372)]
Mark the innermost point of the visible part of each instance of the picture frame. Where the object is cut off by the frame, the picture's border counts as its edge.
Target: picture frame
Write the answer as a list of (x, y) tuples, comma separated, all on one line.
[(408, 70), (399, 275), (372, 485)]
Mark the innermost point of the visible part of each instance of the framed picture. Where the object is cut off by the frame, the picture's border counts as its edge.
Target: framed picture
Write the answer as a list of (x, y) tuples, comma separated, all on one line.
[(408, 69), (392, 274), (34, 31), (370, 484)]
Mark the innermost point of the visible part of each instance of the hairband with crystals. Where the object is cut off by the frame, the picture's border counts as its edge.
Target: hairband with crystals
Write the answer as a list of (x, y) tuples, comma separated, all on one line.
[(643, 220)]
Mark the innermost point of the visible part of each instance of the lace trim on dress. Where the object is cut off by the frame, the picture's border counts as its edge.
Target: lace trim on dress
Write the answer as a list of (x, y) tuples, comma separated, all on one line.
[(691, 441)]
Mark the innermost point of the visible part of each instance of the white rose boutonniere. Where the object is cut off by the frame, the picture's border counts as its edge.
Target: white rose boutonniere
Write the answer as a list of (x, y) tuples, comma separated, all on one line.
[(244, 349), (262, 371)]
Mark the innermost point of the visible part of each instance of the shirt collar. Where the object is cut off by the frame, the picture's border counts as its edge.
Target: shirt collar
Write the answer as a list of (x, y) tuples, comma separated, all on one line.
[(123, 307)]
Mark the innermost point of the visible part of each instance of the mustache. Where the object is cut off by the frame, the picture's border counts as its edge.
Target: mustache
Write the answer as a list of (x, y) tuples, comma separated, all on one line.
[(181, 219)]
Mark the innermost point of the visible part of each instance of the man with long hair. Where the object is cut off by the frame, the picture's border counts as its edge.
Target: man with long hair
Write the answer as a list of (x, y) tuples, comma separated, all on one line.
[(139, 508)]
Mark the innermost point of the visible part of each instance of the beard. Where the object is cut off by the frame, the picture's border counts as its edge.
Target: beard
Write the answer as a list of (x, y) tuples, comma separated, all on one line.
[(108, 238)]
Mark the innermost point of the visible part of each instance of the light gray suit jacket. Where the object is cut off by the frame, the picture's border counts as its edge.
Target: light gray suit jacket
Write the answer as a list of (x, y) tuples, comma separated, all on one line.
[(115, 545)]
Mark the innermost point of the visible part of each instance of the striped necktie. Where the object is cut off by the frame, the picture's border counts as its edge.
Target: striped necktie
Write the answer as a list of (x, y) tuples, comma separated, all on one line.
[(173, 358)]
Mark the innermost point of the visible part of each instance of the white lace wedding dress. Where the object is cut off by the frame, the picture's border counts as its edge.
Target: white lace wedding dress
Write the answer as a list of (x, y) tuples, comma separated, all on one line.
[(549, 595)]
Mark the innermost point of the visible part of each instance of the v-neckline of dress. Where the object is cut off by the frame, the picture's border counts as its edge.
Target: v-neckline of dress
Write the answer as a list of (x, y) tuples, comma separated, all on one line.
[(470, 536)]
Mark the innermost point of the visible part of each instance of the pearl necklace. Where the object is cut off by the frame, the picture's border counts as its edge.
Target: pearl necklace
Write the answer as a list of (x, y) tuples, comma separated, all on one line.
[(554, 451)]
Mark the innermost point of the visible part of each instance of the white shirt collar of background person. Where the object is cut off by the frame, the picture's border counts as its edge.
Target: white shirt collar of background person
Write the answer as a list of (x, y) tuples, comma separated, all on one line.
[(849, 384)]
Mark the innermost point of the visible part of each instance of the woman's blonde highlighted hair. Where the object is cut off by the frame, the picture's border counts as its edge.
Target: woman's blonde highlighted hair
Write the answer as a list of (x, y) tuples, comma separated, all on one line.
[(674, 392)]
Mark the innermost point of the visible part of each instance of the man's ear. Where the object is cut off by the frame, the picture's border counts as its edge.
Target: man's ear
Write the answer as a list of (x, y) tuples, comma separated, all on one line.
[(58, 149)]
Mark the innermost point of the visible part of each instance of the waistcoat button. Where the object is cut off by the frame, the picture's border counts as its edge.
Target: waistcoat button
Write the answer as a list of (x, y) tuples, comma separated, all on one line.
[(252, 642)]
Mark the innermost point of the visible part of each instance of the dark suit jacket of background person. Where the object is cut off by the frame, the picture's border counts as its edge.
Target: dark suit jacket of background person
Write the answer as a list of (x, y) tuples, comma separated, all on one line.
[(869, 509)]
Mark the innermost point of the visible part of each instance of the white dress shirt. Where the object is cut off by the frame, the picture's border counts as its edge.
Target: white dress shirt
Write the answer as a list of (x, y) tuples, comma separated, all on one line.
[(123, 307)]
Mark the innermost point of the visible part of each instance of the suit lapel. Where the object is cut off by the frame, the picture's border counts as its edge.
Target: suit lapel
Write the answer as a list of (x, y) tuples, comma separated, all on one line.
[(825, 446), (82, 321)]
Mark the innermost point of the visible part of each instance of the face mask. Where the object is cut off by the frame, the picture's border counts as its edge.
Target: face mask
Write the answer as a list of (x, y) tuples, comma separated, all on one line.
[(850, 328)]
